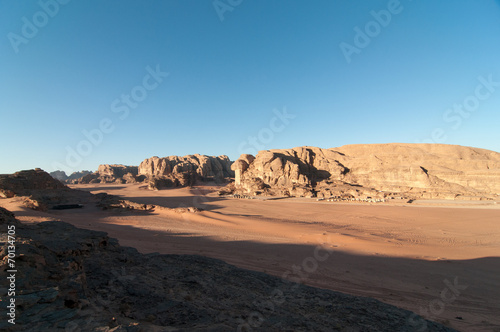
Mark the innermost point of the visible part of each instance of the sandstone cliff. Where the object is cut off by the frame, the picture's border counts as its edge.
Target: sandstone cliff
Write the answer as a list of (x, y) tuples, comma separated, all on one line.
[(72, 279), (112, 174), (374, 170), (184, 171), (172, 171)]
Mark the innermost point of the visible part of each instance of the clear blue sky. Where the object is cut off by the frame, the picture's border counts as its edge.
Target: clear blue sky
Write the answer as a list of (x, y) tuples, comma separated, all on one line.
[(231, 68)]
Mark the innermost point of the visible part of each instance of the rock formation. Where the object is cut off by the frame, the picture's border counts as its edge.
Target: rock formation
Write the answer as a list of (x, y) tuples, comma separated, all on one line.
[(73, 279), (77, 175), (112, 174), (61, 175), (373, 170), (40, 190), (240, 166), (43, 192), (25, 182), (165, 172), (176, 171)]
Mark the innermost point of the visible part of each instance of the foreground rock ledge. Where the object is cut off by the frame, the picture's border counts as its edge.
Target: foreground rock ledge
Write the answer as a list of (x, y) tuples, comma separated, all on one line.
[(72, 279)]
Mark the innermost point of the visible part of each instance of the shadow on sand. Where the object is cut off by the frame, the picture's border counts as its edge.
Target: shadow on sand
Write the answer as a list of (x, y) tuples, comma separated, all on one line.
[(462, 294), (100, 188)]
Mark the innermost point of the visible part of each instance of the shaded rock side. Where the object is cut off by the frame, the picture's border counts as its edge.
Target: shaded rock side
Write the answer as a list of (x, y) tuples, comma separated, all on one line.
[(73, 279), (40, 190), (77, 175), (61, 175), (24, 182)]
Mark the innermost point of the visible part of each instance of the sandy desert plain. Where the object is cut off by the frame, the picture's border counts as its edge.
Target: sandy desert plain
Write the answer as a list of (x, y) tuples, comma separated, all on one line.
[(437, 259)]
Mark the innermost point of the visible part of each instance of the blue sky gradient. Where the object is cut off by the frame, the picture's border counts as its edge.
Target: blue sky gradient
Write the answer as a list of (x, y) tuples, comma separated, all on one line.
[(228, 78)]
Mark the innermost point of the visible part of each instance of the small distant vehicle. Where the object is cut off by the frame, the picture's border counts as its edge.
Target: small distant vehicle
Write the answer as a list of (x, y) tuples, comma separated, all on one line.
[(67, 206)]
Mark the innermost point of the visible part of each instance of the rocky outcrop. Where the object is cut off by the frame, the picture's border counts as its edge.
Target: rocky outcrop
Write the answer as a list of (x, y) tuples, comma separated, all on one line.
[(73, 279), (77, 175), (43, 192), (162, 173), (373, 170), (240, 166), (431, 170), (25, 182), (112, 174), (184, 171), (185, 179), (116, 171), (40, 190), (61, 175)]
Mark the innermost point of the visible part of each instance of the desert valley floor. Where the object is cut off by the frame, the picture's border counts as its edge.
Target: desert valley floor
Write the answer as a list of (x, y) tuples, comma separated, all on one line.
[(402, 254)]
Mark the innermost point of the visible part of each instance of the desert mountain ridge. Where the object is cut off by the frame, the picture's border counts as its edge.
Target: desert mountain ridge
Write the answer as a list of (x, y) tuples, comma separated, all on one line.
[(358, 171), (158, 173), (372, 170)]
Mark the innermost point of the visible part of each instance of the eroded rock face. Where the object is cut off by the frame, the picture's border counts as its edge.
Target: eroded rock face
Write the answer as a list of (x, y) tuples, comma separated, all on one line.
[(174, 180), (76, 175), (40, 190), (434, 168), (24, 182), (182, 171), (417, 170), (73, 279), (240, 166), (116, 171), (162, 173), (112, 174), (61, 175)]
